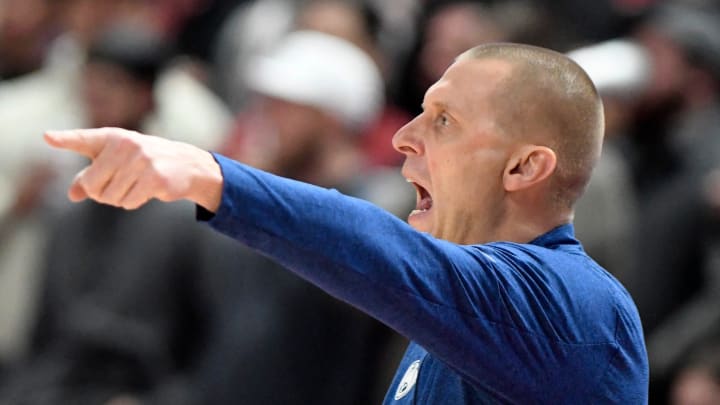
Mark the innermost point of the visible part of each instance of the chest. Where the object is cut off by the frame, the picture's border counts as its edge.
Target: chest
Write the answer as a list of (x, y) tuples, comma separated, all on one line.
[(422, 379)]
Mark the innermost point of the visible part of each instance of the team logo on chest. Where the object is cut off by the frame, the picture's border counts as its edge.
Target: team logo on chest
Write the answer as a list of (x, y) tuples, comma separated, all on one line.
[(408, 380)]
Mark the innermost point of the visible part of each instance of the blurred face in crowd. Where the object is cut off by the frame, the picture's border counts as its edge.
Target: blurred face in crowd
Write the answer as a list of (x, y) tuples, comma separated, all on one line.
[(87, 19), (20, 19), (670, 69), (114, 97), (335, 17), (23, 34), (451, 31), (456, 154), (341, 19), (283, 135)]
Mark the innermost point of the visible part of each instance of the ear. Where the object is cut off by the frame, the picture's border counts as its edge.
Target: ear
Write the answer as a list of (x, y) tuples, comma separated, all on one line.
[(529, 165)]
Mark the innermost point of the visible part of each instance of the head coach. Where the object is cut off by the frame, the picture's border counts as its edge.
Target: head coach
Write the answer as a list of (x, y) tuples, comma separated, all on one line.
[(499, 299)]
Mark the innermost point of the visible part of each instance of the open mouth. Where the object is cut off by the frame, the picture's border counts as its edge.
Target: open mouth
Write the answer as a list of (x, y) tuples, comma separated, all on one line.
[(424, 200)]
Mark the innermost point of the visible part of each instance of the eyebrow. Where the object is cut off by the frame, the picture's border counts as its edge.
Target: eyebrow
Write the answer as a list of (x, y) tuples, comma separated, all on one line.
[(439, 105)]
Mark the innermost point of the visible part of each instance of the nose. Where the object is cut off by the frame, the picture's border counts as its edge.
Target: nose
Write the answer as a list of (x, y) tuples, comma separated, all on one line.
[(406, 139)]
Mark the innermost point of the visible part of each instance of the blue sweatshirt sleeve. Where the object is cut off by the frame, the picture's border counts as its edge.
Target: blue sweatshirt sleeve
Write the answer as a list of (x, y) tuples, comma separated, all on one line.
[(489, 319), (352, 249)]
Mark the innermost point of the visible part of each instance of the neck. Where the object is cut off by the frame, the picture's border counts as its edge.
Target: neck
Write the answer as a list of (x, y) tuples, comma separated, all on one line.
[(524, 223)]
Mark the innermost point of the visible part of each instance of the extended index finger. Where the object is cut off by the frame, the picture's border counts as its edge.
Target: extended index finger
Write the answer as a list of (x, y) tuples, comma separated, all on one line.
[(87, 142)]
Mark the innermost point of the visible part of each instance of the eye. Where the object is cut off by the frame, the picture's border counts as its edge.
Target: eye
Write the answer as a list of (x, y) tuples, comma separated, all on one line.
[(443, 120)]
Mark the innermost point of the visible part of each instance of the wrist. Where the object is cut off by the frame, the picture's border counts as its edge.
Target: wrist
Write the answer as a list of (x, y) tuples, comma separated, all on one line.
[(208, 183)]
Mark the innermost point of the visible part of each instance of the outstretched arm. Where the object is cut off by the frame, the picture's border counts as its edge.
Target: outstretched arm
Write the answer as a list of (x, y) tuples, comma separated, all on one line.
[(493, 313), (128, 168), (351, 249)]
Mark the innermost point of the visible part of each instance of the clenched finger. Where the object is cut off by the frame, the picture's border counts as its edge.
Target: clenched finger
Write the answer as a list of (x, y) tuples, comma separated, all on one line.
[(76, 192), (104, 168), (139, 193), (123, 179)]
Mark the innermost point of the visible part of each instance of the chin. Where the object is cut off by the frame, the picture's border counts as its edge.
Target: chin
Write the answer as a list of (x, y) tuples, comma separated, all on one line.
[(420, 222)]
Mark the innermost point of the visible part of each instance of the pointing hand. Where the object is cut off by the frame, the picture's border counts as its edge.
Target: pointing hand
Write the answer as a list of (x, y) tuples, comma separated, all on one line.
[(128, 168)]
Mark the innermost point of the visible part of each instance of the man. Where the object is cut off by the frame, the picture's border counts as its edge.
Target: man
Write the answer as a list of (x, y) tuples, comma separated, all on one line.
[(499, 299)]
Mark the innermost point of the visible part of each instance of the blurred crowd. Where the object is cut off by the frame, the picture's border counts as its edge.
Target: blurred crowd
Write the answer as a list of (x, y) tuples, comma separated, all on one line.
[(104, 306)]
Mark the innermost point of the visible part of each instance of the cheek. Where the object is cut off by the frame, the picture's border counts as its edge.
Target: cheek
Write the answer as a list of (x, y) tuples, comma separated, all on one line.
[(475, 175), (453, 181), (468, 170)]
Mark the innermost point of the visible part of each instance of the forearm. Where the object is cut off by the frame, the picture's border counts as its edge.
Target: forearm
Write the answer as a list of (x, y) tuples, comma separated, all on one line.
[(350, 248)]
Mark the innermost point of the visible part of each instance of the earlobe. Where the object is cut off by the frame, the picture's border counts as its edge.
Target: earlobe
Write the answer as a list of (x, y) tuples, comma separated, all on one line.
[(531, 165)]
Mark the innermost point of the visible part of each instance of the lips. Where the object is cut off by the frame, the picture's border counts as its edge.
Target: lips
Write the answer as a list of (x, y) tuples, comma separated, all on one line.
[(424, 201)]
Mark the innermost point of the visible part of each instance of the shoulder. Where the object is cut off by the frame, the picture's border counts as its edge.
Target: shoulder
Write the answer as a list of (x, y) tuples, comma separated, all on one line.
[(582, 301)]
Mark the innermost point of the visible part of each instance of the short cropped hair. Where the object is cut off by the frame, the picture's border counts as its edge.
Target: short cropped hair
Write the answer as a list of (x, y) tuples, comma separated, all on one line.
[(548, 97)]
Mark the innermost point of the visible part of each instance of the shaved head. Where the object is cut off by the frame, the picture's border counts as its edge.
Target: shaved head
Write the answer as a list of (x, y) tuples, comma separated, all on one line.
[(547, 99)]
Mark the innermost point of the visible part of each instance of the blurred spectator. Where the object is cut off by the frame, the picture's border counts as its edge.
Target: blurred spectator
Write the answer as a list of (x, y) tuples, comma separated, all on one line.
[(606, 216), (84, 351), (397, 28), (312, 96), (448, 28), (318, 92), (595, 21), (182, 108), (119, 75), (25, 34), (48, 96), (36, 96), (674, 146), (182, 315), (682, 42), (352, 20), (358, 23), (673, 149), (246, 35), (117, 317)]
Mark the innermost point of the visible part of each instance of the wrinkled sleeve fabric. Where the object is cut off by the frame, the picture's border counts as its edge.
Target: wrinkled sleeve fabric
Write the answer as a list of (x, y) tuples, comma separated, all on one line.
[(352, 249), (484, 310)]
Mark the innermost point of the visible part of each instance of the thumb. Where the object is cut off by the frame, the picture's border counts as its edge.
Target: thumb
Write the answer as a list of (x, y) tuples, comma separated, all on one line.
[(87, 142)]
